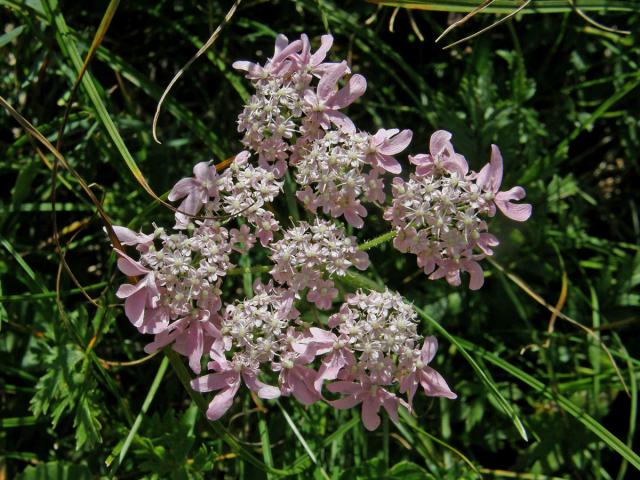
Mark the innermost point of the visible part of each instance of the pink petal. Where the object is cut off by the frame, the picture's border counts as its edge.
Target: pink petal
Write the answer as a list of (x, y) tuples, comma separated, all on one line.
[(327, 83), (398, 143), (182, 188), (434, 385), (354, 89), (262, 389), (519, 212), (370, 417), (325, 44), (134, 307), (344, 403), (439, 141), (429, 349), (222, 402), (389, 163), (201, 171), (128, 265), (339, 119), (475, 271), (213, 381), (344, 387)]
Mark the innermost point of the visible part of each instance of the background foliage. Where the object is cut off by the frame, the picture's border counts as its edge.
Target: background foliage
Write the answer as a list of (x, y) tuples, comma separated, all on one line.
[(560, 97)]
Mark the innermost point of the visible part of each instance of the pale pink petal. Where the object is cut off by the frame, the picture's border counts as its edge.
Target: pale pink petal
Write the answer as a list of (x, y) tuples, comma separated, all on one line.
[(340, 120), (429, 349), (389, 163), (327, 84), (398, 143), (262, 389), (434, 385), (134, 307), (182, 188), (519, 212), (213, 381), (222, 402), (354, 89), (439, 141), (325, 44), (475, 271), (370, 417), (128, 265)]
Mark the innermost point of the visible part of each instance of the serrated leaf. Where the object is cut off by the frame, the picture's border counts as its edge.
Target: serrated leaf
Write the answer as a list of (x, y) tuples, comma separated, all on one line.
[(55, 389), (86, 422)]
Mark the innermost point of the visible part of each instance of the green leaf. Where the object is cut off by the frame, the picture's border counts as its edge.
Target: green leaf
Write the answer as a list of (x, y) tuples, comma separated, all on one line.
[(504, 404), (10, 36), (408, 471), (56, 471), (567, 405), (86, 422)]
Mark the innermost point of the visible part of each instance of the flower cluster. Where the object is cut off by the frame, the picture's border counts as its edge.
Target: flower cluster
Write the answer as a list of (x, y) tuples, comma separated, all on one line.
[(308, 254), (439, 213), (370, 351)]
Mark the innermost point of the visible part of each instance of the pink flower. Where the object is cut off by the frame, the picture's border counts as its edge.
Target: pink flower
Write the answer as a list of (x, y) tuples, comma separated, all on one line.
[(489, 180), (324, 103), (351, 208), (441, 156), (322, 294), (374, 187), (431, 381), (227, 381), (464, 261), (277, 65), (144, 294), (242, 237), (383, 145), (195, 190), (298, 380), (336, 351), (372, 398), (313, 63), (129, 237)]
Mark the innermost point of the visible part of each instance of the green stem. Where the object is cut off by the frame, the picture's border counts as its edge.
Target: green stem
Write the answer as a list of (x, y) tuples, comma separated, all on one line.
[(143, 411), (374, 242)]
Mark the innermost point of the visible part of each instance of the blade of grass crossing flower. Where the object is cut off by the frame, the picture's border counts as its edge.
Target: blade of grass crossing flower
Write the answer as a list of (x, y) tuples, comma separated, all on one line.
[(411, 423), (122, 453), (301, 439), (185, 378), (505, 405), (567, 405)]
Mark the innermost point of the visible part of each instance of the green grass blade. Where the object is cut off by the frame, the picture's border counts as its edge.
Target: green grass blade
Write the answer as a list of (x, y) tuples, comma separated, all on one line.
[(70, 50), (138, 421), (508, 6), (567, 405), (505, 405)]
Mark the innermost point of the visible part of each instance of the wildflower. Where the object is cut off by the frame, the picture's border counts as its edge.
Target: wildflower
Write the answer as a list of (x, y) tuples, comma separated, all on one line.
[(489, 180)]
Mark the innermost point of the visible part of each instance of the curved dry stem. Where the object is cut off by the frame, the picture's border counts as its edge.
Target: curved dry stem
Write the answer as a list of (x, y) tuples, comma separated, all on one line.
[(480, 32), (214, 36), (595, 23), (523, 286), (464, 19)]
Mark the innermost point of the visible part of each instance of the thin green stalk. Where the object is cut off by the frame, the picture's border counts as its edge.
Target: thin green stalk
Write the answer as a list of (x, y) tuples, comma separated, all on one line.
[(564, 403), (138, 421), (374, 242)]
